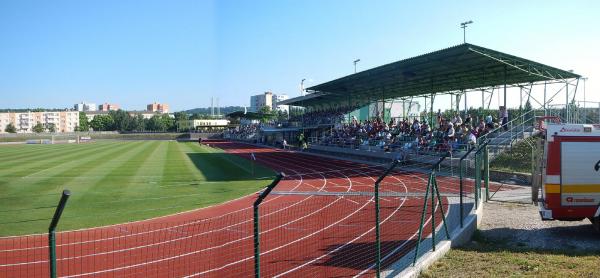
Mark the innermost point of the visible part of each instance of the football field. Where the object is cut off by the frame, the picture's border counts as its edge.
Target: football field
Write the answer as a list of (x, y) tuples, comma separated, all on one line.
[(116, 181)]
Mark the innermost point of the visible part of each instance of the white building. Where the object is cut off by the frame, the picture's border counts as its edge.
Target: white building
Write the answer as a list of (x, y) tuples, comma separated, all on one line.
[(85, 106), (268, 99), (278, 99), (63, 121), (202, 124)]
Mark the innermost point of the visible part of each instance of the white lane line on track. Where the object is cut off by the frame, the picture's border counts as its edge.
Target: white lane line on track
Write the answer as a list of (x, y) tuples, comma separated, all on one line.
[(401, 245), (350, 200), (345, 244)]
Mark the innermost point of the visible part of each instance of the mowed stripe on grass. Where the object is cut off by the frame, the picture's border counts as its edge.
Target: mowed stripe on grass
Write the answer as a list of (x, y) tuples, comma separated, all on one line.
[(115, 182)]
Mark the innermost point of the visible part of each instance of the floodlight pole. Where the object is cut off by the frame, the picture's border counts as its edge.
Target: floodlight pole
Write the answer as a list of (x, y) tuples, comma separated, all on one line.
[(355, 62), (464, 27), (302, 87)]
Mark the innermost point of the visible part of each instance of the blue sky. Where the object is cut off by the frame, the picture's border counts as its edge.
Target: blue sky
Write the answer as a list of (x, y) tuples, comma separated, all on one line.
[(57, 53)]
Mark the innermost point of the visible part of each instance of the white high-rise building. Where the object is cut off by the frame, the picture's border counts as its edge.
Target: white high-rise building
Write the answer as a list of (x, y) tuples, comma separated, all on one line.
[(268, 99), (85, 106)]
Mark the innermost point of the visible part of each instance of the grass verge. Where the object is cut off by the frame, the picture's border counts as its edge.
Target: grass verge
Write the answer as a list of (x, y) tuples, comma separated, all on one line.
[(517, 159), (486, 258)]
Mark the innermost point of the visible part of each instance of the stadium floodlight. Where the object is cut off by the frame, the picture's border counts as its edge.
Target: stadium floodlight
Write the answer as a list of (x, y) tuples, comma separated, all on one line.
[(464, 27), (302, 86), (355, 62)]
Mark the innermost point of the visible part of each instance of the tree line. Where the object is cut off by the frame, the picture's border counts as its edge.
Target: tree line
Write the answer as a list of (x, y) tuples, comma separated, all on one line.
[(121, 120)]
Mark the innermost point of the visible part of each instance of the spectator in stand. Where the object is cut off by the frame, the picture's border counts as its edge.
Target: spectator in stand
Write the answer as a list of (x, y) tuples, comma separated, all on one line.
[(450, 132), (468, 120), (504, 116), (489, 122), (457, 120), (472, 140)]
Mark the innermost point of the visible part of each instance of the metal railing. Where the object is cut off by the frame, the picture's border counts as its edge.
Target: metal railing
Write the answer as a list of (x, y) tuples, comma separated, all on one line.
[(505, 135), (579, 113)]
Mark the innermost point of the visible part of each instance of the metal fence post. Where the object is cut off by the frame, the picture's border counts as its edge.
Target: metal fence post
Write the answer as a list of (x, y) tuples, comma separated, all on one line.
[(431, 186), (477, 179), (461, 180), (486, 172), (259, 200), (377, 230), (52, 230), (422, 222)]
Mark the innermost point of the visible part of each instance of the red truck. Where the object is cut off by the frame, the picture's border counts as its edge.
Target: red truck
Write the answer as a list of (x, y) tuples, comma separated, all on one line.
[(570, 173)]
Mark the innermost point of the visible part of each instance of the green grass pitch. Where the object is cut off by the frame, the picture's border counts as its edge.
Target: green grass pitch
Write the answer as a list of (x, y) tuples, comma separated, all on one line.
[(115, 181)]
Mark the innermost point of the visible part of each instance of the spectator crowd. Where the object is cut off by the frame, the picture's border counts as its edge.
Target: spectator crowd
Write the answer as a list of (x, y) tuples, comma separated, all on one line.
[(445, 135)]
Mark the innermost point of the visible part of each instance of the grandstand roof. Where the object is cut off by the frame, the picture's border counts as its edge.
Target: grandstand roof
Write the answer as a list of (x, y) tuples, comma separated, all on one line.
[(462, 67)]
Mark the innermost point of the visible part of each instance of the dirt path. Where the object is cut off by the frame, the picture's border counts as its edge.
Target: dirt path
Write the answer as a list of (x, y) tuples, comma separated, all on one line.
[(511, 218)]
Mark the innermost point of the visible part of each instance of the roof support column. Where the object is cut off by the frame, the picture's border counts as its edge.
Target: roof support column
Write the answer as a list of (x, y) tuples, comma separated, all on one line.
[(505, 106), (451, 103), (458, 96), (431, 113), (431, 108), (520, 98), (349, 105), (545, 111), (482, 99), (383, 105), (466, 111), (567, 101)]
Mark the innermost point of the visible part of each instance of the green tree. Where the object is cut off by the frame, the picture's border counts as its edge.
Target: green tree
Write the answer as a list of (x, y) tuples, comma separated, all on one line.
[(51, 127), (84, 125), (156, 123), (102, 123), (38, 128), (181, 116), (265, 114), (122, 120), (10, 128), (282, 115), (139, 123)]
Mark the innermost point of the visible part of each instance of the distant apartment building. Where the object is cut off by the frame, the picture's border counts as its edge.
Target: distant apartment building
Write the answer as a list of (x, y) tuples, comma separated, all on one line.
[(63, 121), (109, 107), (158, 107), (85, 106), (268, 99)]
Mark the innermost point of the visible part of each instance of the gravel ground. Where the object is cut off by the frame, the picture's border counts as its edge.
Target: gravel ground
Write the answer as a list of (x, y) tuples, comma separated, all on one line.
[(511, 218)]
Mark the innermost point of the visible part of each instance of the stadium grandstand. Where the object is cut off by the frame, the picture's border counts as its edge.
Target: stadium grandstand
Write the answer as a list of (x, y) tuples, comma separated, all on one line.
[(390, 108)]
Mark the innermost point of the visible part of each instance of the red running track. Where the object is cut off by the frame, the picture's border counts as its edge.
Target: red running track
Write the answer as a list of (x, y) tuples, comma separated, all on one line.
[(301, 235)]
